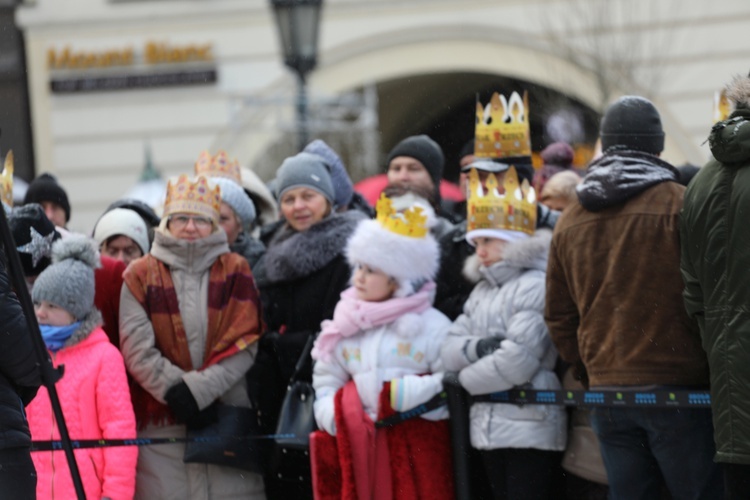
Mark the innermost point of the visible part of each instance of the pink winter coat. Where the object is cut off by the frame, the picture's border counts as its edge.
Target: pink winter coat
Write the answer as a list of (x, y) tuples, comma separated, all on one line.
[(96, 403)]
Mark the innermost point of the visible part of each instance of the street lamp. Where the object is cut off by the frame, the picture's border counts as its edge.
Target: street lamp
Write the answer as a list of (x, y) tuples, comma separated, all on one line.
[(298, 22)]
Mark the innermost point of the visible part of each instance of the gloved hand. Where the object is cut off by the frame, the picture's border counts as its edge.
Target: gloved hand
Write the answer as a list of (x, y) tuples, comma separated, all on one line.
[(487, 345), (182, 403)]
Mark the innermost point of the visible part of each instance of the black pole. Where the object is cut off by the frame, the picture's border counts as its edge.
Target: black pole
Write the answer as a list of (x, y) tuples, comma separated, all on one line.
[(460, 440), (50, 374), (302, 134)]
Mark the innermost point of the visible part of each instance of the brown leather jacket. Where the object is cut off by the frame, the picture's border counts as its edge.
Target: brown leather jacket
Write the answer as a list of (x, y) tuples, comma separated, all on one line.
[(614, 293)]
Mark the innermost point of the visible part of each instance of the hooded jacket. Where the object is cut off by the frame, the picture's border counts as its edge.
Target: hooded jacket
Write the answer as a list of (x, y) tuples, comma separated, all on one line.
[(613, 282), (96, 404), (715, 266), (508, 303)]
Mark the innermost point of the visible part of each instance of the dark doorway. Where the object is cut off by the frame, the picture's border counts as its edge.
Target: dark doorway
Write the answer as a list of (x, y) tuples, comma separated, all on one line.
[(443, 107)]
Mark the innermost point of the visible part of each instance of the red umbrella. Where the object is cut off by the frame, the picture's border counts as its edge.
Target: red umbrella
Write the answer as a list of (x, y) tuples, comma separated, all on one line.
[(371, 187)]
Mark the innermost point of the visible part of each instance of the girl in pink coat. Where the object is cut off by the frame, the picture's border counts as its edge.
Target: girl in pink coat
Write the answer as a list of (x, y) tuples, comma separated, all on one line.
[(93, 392)]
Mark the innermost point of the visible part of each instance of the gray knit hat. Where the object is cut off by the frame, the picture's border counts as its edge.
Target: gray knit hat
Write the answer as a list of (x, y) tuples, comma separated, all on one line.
[(233, 195), (342, 184), (69, 281), (305, 170)]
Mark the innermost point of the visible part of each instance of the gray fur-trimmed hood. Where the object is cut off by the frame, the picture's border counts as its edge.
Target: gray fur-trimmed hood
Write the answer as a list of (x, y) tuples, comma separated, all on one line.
[(738, 91), (88, 324), (521, 255), (291, 254)]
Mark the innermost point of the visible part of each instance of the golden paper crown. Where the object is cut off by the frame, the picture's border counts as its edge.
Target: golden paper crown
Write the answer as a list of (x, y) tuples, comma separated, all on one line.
[(218, 166), (514, 210), (193, 197), (6, 180), (411, 222), (722, 106), (502, 127)]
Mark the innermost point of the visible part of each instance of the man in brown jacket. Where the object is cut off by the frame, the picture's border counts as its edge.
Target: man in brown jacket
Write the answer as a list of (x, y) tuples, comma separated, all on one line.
[(614, 310)]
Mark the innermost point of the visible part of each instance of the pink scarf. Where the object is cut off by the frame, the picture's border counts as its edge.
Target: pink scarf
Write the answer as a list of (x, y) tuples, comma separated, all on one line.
[(353, 315)]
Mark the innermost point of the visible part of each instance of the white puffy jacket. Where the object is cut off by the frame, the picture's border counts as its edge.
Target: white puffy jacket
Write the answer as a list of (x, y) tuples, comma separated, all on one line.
[(508, 303), (404, 349)]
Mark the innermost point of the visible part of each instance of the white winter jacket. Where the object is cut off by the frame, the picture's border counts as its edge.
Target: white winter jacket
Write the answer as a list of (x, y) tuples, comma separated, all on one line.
[(508, 303), (408, 347)]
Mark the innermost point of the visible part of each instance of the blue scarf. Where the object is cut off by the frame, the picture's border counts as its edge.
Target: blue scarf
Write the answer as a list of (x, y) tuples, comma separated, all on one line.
[(55, 336)]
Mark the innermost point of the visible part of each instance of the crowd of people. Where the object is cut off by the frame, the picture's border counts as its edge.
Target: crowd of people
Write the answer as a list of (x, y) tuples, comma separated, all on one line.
[(614, 279)]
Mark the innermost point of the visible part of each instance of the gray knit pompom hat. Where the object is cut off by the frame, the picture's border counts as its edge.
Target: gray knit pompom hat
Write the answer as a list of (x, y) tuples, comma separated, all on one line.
[(69, 281)]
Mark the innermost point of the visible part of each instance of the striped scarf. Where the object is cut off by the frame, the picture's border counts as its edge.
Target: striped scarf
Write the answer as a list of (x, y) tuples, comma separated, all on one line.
[(234, 320)]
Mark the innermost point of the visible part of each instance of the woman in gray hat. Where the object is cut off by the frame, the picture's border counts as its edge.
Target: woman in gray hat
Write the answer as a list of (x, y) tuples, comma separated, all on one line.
[(300, 278)]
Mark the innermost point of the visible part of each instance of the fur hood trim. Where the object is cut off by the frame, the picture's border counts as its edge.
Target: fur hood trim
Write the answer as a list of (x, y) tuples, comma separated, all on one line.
[(291, 254), (400, 257), (738, 91), (88, 324), (529, 253)]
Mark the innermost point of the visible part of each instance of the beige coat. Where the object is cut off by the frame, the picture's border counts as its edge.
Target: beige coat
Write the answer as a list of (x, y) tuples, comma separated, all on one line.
[(161, 472)]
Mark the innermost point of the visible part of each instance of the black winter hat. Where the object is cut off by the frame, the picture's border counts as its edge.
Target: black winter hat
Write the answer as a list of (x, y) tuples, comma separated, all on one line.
[(46, 188), (33, 234), (424, 149), (633, 122)]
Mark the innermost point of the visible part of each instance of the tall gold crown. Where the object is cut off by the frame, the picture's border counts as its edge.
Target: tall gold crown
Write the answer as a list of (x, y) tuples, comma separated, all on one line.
[(411, 222), (193, 197), (722, 106), (218, 166), (502, 127), (514, 210), (6, 180)]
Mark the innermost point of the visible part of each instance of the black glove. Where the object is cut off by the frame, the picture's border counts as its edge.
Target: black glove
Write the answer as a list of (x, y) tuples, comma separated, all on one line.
[(488, 345), (182, 403)]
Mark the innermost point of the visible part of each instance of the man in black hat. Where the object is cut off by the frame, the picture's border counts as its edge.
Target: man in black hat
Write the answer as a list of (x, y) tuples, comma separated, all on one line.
[(614, 310), (46, 191)]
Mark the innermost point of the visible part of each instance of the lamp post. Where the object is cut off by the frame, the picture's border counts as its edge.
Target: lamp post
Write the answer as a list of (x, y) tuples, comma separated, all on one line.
[(298, 22)]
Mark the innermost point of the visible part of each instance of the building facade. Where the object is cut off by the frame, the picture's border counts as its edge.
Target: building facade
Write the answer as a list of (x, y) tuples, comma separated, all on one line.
[(107, 78)]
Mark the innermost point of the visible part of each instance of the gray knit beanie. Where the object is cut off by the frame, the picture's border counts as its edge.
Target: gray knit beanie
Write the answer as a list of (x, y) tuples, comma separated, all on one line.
[(305, 170), (69, 281), (342, 184), (233, 195)]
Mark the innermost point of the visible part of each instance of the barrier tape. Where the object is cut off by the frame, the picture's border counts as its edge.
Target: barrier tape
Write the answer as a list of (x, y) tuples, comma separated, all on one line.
[(108, 443), (588, 399), (612, 399)]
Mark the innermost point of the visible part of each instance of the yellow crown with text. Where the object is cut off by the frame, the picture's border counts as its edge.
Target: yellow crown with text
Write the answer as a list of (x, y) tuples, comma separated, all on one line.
[(411, 222), (193, 197), (6, 180), (219, 165), (514, 210), (502, 127)]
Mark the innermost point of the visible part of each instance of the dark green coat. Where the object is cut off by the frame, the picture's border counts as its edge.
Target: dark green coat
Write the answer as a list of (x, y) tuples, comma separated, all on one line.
[(715, 264)]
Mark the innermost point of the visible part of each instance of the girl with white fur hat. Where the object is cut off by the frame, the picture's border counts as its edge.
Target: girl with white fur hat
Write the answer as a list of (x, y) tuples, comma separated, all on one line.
[(380, 354)]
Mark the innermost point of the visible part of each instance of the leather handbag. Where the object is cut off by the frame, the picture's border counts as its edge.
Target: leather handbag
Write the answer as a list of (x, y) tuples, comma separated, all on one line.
[(290, 458), (228, 441)]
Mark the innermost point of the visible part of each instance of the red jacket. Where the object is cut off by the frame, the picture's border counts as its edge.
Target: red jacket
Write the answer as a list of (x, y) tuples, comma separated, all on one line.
[(96, 404)]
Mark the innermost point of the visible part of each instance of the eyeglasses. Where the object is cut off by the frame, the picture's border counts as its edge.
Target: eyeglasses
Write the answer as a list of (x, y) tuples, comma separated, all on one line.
[(181, 221)]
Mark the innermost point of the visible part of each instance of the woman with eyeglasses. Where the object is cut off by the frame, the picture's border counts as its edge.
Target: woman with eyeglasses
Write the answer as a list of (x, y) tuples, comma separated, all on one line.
[(300, 278), (189, 322)]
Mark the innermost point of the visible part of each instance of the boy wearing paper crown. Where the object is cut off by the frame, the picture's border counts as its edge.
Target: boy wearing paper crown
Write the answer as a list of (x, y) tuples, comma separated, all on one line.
[(500, 342), (379, 354)]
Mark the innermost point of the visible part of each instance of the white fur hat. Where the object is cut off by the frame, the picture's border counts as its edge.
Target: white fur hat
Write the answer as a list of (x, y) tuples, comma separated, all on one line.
[(410, 260)]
